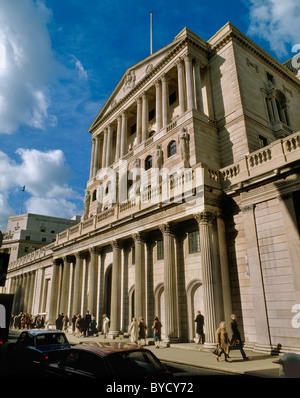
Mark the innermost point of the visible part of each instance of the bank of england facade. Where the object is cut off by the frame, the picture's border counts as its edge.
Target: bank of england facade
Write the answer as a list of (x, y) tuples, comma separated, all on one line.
[(192, 201)]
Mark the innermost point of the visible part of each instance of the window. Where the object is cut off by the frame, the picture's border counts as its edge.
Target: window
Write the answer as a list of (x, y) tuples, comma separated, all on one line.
[(27, 237), (43, 239), (94, 196), (172, 98), (148, 162), (43, 229), (172, 149), (133, 255), (151, 114), (194, 242), (133, 129), (160, 250), (270, 78), (262, 141)]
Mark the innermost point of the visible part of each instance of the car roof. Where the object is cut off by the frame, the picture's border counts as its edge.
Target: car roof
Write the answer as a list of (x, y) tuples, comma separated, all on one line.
[(36, 332), (107, 348)]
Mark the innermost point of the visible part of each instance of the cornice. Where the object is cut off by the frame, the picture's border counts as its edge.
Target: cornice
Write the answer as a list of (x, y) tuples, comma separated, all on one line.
[(233, 34)]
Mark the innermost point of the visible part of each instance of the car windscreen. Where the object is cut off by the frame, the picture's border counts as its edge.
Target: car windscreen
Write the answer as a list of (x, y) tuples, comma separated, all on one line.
[(134, 363), (51, 339)]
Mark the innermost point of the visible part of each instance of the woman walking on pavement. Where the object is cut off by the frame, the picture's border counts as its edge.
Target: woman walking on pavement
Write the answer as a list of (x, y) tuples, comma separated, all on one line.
[(223, 341)]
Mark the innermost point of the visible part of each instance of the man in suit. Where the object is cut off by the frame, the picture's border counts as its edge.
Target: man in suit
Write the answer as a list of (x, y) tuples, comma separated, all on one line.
[(236, 336)]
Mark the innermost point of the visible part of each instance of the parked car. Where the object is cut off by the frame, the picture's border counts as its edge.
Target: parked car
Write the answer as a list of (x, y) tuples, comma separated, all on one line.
[(109, 360), (36, 347)]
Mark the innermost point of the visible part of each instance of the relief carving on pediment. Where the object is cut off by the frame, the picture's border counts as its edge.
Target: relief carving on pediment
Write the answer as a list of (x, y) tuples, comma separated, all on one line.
[(129, 82)]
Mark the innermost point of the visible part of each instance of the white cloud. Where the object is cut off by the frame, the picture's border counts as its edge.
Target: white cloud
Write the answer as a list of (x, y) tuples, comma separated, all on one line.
[(29, 66), (277, 22), (45, 176), (82, 72)]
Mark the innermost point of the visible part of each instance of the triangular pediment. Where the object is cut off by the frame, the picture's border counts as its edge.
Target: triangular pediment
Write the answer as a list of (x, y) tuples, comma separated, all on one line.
[(132, 77)]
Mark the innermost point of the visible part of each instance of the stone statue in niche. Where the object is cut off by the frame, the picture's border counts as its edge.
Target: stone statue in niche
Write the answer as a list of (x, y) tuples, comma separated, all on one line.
[(87, 200), (158, 157), (184, 147)]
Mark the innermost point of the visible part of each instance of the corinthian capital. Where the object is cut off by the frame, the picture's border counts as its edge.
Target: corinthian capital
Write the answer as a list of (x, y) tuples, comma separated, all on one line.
[(168, 228), (205, 218)]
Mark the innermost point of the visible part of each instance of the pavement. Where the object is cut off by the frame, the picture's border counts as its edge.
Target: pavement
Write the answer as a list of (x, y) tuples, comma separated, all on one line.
[(258, 365)]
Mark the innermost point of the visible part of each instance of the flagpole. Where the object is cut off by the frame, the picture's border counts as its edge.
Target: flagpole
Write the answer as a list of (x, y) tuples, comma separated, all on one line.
[(23, 190), (151, 41)]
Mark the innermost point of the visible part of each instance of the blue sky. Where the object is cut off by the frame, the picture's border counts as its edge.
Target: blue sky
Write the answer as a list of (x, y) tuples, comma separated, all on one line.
[(61, 59)]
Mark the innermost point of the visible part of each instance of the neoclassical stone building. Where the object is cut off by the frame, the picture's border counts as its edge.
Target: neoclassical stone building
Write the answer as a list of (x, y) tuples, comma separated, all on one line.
[(192, 201)]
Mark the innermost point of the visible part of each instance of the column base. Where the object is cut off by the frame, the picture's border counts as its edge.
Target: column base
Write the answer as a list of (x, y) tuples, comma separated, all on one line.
[(170, 340), (113, 334), (207, 346)]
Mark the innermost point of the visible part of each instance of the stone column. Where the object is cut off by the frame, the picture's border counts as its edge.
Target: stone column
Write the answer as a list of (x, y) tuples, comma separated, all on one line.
[(96, 155), (26, 291), (65, 286), (93, 277), (199, 100), (150, 285), (165, 100), (145, 116), (170, 286), (115, 315), (76, 309), (139, 120), (108, 146), (205, 220), (92, 159), (31, 291), (104, 150), (158, 105), (119, 126), (140, 287), (124, 134), (180, 74), (53, 307), (189, 82)]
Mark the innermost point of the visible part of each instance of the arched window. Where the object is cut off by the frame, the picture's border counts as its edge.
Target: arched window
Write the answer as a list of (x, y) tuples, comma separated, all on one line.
[(172, 149), (282, 107), (148, 162)]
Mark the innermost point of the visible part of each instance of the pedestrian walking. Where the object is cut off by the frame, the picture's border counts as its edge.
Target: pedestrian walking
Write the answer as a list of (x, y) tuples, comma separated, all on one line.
[(105, 325), (199, 327), (87, 324), (65, 323), (157, 332), (78, 326), (73, 321), (142, 331), (134, 331), (236, 342), (223, 342)]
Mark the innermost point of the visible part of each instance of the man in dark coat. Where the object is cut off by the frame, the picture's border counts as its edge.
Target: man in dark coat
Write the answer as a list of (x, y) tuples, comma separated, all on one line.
[(87, 324), (236, 337), (199, 327)]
